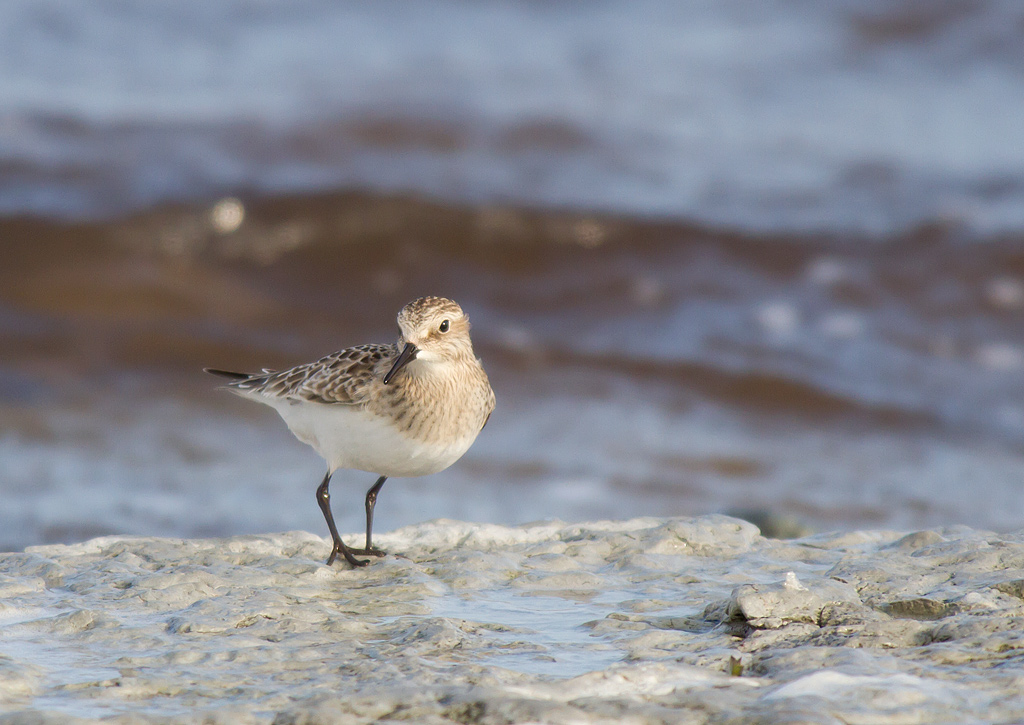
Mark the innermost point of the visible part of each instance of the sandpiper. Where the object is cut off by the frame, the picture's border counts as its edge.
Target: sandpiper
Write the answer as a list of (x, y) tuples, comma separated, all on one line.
[(408, 409)]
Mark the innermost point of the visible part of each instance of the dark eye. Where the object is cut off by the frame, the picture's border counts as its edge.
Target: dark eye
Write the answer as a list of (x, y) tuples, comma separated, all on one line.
[(444, 326)]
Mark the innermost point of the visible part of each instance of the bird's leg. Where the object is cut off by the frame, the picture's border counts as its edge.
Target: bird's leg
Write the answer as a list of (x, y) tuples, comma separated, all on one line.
[(323, 497), (371, 501)]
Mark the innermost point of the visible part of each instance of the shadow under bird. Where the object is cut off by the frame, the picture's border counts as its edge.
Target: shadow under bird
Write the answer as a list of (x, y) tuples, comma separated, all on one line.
[(408, 409)]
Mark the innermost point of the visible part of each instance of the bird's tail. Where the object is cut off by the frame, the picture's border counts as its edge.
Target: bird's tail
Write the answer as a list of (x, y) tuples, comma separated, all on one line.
[(227, 374)]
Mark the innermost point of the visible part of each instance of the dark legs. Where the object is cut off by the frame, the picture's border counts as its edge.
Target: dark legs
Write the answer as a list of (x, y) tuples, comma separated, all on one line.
[(371, 501), (323, 497)]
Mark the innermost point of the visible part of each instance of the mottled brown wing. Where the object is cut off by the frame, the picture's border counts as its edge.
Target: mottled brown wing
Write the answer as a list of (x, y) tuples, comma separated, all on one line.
[(339, 378), (344, 376)]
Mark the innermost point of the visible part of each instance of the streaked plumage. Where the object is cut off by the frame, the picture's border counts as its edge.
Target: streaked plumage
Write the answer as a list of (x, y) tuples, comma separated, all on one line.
[(436, 400)]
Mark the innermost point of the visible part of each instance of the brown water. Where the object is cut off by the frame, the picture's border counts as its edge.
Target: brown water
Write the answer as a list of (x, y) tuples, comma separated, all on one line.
[(640, 368), (732, 256)]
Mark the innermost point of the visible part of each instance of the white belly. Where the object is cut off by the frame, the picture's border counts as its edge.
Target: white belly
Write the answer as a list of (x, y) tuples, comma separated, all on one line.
[(348, 437)]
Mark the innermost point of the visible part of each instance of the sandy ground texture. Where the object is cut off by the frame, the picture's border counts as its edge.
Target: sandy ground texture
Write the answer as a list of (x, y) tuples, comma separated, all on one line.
[(640, 621)]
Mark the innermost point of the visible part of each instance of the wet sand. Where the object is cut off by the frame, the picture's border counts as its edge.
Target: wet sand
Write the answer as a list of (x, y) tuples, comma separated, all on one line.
[(644, 621)]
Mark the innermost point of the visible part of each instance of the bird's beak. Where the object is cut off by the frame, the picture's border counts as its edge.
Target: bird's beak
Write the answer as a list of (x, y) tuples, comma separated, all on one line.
[(407, 355)]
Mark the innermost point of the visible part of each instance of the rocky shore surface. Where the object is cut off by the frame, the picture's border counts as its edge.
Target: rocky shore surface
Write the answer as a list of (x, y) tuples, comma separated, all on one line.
[(640, 621)]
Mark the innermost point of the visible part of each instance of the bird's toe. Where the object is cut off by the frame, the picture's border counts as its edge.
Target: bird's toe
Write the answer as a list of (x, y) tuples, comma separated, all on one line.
[(373, 551)]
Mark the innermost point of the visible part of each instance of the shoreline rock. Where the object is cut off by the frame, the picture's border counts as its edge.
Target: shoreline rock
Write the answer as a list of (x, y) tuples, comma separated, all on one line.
[(646, 621)]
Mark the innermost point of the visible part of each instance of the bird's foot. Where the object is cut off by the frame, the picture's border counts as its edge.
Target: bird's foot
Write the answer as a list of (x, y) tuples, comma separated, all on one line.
[(372, 551), (347, 553)]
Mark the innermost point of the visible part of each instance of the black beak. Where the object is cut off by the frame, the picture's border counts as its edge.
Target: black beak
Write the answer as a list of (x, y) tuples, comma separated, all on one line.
[(407, 355)]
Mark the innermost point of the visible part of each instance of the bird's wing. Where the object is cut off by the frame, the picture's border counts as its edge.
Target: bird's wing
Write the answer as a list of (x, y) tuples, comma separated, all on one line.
[(339, 378)]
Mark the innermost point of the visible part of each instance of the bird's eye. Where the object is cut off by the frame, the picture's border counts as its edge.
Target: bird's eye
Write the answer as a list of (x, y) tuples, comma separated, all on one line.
[(444, 326)]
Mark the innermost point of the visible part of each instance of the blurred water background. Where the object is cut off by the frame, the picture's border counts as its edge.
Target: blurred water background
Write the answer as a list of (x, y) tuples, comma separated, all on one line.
[(746, 256)]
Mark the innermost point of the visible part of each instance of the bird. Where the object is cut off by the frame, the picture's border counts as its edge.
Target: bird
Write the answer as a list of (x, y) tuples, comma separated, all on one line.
[(411, 408)]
